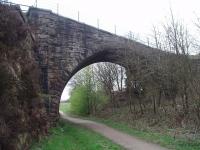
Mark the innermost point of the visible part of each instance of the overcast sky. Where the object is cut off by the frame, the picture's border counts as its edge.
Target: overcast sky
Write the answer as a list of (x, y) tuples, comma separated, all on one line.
[(137, 16)]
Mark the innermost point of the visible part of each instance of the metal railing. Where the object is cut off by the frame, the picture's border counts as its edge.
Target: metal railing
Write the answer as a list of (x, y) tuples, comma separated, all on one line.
[(15, 4), (11, 3)]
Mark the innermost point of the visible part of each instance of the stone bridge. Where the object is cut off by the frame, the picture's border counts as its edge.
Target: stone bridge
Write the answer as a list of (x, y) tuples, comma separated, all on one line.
[(64, 46)]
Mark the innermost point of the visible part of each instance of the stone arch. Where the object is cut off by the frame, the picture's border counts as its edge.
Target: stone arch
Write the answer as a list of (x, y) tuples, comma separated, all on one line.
[(86, 63), (102, 56)]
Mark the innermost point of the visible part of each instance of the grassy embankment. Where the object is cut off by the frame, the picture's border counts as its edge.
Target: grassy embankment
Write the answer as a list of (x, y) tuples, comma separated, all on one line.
[(68, 136), (155, 137)]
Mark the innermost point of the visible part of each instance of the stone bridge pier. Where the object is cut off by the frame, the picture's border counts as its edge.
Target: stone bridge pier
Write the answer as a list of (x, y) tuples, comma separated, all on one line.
[(64, 46)]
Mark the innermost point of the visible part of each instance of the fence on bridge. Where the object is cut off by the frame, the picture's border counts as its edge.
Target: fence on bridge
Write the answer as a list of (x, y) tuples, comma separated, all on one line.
[(24, 8)]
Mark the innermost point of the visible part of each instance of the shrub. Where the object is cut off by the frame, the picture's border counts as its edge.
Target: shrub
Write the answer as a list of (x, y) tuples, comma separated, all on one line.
[(85, 101), (79, 101)]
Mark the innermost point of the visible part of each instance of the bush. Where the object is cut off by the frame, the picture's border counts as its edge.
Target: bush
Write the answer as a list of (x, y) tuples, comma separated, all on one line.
[(79, 101), (85, 102)]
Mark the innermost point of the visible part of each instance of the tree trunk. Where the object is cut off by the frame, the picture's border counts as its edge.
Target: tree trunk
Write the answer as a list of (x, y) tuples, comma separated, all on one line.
[(159, 98), (154, 104), (140, 104)]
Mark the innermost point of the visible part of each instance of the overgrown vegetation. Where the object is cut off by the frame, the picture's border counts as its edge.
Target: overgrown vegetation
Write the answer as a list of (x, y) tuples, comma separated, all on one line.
[(71, 137), (165, 85), (22, 114)]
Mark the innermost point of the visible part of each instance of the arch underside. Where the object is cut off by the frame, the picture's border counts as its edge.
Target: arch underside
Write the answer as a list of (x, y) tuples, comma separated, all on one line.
[(103, 56)]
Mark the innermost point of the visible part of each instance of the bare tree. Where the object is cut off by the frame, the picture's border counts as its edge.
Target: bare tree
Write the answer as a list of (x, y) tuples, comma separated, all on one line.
[(111, 76), (179, 42)]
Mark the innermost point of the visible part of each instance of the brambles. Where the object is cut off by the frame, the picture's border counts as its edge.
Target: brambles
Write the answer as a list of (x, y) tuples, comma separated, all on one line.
[(22, 114), (13, 29)]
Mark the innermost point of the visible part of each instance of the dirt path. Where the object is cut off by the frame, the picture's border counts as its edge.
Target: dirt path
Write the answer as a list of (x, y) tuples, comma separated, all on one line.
[(125, 140)]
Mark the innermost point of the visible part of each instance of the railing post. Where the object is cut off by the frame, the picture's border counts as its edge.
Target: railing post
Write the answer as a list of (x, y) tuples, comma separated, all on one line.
[(98, 23), (57, 8), (78, 16)]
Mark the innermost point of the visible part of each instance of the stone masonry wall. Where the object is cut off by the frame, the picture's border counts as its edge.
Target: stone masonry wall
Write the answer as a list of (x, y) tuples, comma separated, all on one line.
[(64, 46)]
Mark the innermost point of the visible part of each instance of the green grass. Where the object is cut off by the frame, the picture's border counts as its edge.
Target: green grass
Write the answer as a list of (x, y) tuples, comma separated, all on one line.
[(68, 136), (158, 138)]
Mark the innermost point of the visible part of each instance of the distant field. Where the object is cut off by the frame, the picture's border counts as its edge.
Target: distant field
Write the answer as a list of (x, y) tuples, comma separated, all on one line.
[(64, 107), (68, 136)]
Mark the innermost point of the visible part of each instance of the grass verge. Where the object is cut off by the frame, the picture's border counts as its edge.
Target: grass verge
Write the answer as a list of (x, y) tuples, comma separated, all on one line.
[(67, 136)]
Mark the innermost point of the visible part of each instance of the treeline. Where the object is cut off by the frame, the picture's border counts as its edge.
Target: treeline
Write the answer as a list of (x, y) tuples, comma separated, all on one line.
[(168, 81)]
